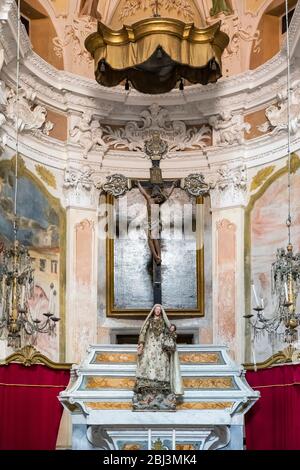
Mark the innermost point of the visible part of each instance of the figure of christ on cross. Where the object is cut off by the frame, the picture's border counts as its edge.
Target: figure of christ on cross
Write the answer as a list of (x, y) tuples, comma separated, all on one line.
[(155, 198)]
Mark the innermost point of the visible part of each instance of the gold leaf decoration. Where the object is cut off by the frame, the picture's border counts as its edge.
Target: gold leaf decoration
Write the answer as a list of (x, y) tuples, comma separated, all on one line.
[(30, 356), (21, 165), (295, 162), (261, 177), (46, 176)]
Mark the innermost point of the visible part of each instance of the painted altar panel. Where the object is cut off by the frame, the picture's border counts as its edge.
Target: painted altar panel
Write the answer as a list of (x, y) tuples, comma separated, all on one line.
[(41, 225), (130, 261), (268, 233)]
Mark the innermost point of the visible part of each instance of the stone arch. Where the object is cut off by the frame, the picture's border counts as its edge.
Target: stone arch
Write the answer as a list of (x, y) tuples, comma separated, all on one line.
[(42, 31), (272, 36)]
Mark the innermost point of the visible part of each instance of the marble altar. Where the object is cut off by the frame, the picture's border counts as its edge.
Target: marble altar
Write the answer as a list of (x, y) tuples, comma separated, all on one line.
[(210, 415)]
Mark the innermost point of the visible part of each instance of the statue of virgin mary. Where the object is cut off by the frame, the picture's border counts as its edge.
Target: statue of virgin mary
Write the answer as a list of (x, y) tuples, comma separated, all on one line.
[(158, 379)]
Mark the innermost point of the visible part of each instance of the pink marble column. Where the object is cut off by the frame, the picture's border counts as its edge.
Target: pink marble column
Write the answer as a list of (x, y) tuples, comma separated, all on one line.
[(84, 324), (84, 248), (226, 283)]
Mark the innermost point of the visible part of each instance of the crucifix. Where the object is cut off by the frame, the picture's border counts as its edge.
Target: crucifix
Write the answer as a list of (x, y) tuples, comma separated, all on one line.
[(155, 195)]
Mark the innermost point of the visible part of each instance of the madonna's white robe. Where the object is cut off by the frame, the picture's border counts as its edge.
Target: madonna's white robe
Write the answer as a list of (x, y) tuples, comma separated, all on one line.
[(156, 365)]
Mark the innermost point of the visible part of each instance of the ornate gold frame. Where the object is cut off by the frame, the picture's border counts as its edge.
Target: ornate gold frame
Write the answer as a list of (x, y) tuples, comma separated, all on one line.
[(54, 202), (111, 311)]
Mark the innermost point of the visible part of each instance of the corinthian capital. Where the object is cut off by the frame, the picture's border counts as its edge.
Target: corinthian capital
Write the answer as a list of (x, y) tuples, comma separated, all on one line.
[(229, 187), (81, 187)]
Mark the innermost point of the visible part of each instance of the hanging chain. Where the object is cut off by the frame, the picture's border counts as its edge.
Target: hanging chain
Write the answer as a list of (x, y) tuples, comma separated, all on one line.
[(289, 219), (17, 118)]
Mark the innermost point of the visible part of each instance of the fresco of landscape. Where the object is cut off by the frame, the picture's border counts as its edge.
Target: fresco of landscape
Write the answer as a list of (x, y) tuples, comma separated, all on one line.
[(38, 230)]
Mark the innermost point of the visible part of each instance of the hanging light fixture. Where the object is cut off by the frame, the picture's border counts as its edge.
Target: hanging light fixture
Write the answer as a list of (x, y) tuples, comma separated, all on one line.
[(156, 53), (285, 270), (17, 324)]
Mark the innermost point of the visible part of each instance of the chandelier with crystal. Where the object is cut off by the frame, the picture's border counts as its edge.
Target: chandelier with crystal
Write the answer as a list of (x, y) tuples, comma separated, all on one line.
[(285, 270), (17, 323), (283, 324), (16, 288)]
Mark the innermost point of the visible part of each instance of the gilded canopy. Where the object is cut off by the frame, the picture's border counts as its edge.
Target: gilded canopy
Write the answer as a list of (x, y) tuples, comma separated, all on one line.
[(154, 53)]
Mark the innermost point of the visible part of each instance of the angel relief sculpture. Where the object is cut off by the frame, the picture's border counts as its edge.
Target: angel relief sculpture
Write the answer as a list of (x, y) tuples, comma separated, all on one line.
[(158, 383), (88, 134)]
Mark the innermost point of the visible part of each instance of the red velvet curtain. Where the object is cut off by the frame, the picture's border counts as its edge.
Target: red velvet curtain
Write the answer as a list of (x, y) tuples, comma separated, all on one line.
[(274, 421), (30, 412)]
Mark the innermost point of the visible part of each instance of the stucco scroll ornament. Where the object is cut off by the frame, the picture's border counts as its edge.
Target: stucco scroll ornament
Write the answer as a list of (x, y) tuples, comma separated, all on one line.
[(31, 118), (276, 114), (236, 29), (196, 185), (237, 33), (182, 7), (74, 36), (218, 438), (88, 134), (99, 438), (116, 185), (228, 129), (157, 119)]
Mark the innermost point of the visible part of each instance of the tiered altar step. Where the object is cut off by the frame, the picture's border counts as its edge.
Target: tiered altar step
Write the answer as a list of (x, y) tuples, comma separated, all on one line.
[(215, 390)]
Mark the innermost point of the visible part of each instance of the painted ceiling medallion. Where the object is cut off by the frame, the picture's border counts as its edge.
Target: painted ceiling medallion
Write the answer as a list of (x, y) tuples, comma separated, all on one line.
[(156, 53)]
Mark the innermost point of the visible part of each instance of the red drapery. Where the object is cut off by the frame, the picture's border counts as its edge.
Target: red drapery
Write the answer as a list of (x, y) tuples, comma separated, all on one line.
[(274, 421), (30, 412)]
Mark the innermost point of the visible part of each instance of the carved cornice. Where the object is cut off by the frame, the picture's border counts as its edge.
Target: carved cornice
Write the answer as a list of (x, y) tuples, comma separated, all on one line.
[(53, 153)]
